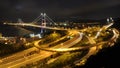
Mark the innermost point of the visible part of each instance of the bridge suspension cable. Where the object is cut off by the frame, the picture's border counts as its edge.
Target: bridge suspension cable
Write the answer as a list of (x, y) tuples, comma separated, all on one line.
[(43, 16), (49, 19), (37, 19)]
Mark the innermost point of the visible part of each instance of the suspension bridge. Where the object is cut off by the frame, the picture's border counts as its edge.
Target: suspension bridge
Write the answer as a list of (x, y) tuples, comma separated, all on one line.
[(44, 21)]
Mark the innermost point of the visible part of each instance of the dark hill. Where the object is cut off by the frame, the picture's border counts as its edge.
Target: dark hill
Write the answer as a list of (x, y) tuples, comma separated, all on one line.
[(106, 58)]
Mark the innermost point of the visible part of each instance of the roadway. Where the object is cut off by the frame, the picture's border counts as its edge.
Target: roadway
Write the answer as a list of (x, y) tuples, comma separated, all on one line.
[(91, 51), (21, 61), (16, 62), (94, 49), (65, 45), (17, 55), (27, 60), (32, 25)]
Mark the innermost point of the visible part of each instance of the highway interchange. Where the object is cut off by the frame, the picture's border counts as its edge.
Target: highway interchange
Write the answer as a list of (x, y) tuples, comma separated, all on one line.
[(43, 51)]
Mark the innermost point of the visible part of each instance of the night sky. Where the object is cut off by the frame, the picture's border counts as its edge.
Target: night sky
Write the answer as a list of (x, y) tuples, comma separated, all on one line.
[(28, 10)]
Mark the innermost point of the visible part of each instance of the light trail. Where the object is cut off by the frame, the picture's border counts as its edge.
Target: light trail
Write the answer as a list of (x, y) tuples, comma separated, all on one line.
[(103, 28)]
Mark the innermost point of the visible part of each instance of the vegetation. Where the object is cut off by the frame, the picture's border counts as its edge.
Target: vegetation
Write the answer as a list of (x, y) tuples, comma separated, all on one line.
[(41, 63), (52, 37), (63, 40), (0, 35), (63, 60), (92, 31), (83, 42), (6, 49)]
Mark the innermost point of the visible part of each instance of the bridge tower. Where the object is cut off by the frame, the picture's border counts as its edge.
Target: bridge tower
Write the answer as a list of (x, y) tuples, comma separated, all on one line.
[(43, 23), (45, 20)]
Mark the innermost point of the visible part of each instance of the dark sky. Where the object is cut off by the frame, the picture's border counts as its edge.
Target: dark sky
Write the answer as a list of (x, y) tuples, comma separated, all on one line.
[(28, 10)]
